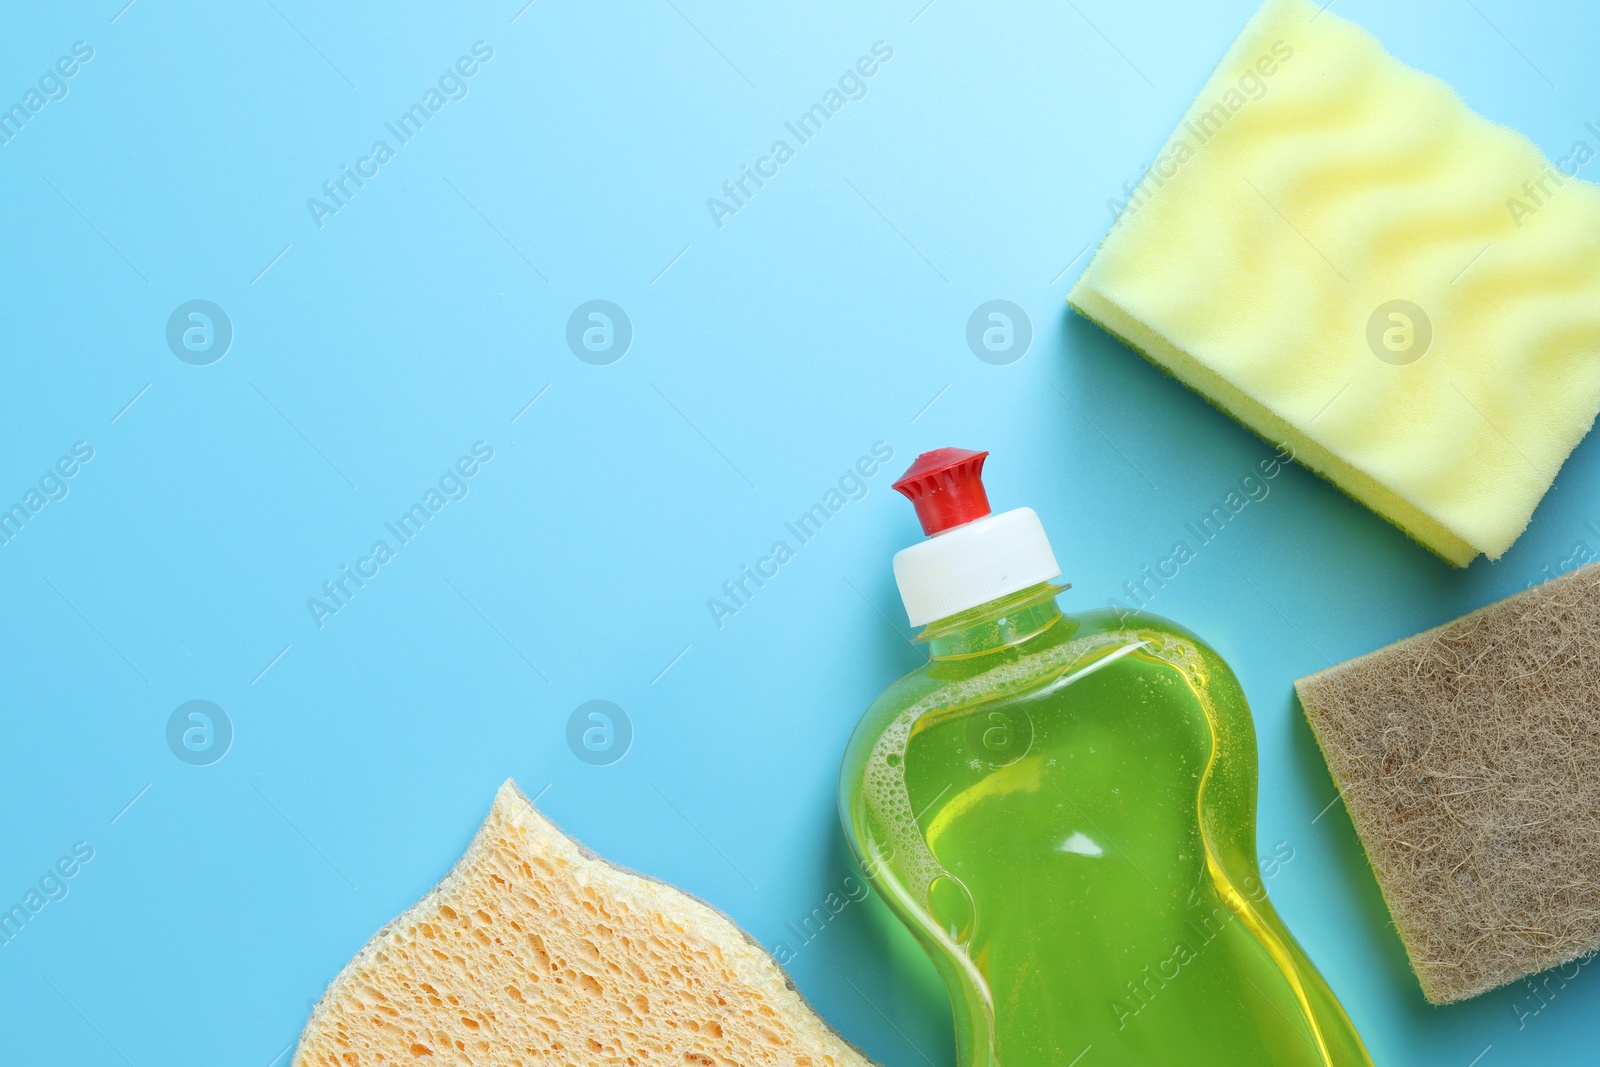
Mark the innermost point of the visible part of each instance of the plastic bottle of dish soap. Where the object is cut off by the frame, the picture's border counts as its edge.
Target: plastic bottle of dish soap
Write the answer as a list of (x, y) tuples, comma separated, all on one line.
[(1061, 807)]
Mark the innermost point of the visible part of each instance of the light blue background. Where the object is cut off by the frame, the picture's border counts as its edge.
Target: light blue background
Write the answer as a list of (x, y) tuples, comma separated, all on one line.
[(768, 356)]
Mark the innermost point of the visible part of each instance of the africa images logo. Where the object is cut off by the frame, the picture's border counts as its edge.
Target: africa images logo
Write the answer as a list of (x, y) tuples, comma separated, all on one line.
[(453, 485), (737, 192), (199, 332), (853, 484), (199, 733), (599, 332), (51, 87), (1399, 332), (452, 85), (1198, 128)]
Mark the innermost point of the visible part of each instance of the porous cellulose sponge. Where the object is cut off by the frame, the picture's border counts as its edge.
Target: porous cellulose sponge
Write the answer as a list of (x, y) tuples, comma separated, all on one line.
[(535, 952), (1333, 249), (1469, 760)]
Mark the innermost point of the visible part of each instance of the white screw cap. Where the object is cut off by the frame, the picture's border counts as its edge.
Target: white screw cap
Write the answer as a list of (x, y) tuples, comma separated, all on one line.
[(973, 564)]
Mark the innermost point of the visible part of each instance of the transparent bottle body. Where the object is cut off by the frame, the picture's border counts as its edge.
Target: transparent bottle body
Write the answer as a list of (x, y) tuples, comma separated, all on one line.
[(1061, 808)]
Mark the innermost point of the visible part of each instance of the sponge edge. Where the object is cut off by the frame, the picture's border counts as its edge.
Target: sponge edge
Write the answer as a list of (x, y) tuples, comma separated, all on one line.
[(1469, 760), (1316, 182), (533, 950)]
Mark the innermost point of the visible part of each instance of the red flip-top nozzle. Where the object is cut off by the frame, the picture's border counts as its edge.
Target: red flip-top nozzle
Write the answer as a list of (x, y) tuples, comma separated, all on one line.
[(946, 486)]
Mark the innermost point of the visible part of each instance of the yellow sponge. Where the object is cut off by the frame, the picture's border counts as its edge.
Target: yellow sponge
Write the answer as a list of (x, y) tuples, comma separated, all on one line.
[(534, 951), (1337, 252)]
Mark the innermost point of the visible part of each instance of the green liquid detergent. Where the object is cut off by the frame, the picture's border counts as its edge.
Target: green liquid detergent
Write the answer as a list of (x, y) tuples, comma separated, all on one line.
[(1061, 808)]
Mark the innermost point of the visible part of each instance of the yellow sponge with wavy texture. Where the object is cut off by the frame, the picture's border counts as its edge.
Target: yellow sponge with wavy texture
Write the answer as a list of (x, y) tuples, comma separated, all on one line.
[(1336, 251)]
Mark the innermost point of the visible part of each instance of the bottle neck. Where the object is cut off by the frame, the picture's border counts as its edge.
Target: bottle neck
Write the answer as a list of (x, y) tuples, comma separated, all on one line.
[(996, 625)]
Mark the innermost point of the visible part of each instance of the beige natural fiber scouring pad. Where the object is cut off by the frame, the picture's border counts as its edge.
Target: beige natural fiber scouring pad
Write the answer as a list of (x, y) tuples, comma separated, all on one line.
[(1340, 254), (533, 951), (1469, 759)]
